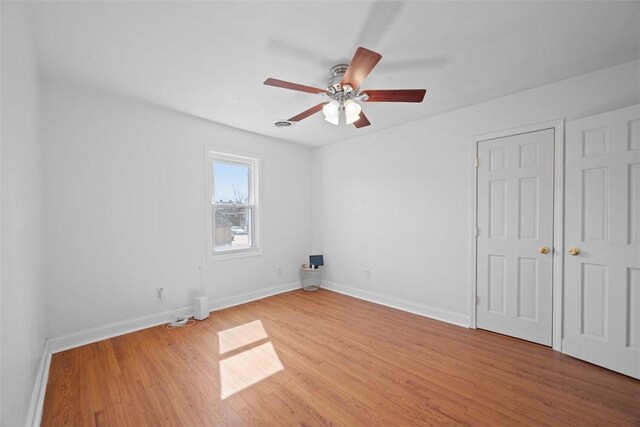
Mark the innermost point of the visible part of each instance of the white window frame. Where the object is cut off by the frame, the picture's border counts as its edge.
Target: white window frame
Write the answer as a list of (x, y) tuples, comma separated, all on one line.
[(252, 203)]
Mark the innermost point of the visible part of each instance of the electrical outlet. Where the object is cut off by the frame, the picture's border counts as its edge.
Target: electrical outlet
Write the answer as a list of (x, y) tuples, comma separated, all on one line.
[(161, 292), (367, 274)]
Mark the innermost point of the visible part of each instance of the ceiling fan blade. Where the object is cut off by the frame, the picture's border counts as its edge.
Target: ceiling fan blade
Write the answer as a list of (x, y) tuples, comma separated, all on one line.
[(311, 111), (361, 65), (292, 86), (362, 121), (395, 95)]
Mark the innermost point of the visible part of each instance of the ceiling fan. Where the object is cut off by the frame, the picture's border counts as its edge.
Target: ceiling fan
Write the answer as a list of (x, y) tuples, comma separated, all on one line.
[(344, 91)]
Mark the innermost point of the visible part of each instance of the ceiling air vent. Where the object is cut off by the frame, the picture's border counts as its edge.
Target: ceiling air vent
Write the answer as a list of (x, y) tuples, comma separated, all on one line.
[(283, 124)]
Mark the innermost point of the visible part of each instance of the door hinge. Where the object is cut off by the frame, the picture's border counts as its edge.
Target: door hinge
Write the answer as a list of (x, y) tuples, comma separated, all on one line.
[(477, 299), (477, 231), (477, 162)]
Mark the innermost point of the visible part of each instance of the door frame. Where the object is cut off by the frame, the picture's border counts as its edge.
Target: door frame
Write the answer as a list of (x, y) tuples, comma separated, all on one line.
[(558, 221)]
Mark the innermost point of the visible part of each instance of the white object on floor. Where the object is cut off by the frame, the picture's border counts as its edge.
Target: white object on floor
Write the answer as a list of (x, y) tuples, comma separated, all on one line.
[(310, 278), (201, 307)]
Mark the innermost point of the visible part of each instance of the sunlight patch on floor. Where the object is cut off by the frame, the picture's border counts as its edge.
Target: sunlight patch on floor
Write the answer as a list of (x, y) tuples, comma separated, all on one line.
[(237, 337), (248, 368)]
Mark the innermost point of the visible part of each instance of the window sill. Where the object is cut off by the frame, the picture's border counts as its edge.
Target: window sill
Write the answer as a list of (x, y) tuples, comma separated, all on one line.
[(233, 254)]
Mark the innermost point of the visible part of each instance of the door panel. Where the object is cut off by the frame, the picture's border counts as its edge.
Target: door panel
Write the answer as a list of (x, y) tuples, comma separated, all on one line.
[(498, 208), (515, 218), (594, 300), (634, 203), (497, 283), (634, 308), (528, 208), (527, 288), (601, 289)]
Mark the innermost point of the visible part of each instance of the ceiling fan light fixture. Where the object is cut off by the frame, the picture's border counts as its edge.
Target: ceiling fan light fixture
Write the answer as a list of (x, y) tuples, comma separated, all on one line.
[(332, 109), (352, 111)]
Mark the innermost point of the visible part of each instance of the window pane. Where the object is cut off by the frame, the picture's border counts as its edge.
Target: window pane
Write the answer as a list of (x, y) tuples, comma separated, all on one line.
[(232, 228), (231, 183)]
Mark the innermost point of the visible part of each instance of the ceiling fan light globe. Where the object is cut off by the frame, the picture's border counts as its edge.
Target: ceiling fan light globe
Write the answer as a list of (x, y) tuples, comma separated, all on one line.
[(352, 111), (351, 107), (351, 119), (332, 109), (333, 120)]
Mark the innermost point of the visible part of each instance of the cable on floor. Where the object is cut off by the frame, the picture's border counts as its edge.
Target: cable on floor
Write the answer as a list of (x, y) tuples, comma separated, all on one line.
[(180, 322)]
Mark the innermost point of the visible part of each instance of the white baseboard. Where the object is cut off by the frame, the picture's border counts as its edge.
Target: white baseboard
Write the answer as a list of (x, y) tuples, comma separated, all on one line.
[(411, 307), (222, 303), (110, 330), (99, 333), (34, 416)]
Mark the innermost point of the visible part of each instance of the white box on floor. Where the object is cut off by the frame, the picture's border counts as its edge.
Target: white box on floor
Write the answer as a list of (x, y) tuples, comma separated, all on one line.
[(201, 307)]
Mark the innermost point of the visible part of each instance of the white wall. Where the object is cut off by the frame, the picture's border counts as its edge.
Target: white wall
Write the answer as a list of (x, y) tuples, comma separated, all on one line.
[(125, 193), (397, 201), (23, 312)]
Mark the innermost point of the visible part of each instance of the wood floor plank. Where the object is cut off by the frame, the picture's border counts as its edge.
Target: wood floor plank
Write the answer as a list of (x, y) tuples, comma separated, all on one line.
[(346, 362)]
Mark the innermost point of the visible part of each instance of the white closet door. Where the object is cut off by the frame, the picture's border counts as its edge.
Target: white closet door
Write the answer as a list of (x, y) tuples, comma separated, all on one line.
[(515, 226), (602, 223)]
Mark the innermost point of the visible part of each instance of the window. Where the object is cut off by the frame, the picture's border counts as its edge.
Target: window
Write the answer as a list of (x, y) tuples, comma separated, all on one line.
[(233, 206)]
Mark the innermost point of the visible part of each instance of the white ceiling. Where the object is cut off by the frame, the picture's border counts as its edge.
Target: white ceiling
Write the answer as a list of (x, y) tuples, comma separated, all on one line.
[(209, 59)]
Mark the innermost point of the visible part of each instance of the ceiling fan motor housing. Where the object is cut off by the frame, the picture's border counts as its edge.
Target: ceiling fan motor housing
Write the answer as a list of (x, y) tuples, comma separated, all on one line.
[(337, 73)]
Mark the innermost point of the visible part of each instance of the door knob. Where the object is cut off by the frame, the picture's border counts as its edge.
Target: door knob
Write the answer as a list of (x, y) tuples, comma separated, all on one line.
[(574, 251), (543, 250)]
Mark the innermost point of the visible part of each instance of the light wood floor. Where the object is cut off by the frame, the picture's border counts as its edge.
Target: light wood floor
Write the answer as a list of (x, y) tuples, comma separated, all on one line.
[(345, 362)]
